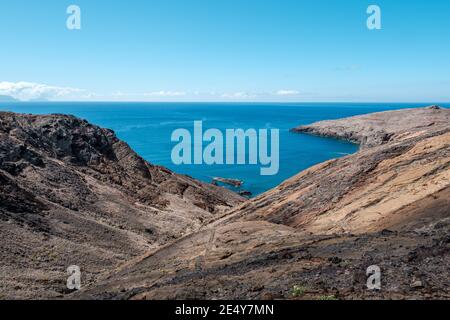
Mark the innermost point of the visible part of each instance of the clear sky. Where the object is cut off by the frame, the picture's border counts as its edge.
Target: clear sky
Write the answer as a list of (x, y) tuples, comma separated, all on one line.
[(226, 50)]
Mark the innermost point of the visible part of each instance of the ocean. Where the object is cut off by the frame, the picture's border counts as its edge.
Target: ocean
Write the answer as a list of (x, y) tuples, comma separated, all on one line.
[(147, 128)]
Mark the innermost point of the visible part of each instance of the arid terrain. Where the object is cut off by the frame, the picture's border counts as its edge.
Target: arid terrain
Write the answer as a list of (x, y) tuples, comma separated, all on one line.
[(72, 193)]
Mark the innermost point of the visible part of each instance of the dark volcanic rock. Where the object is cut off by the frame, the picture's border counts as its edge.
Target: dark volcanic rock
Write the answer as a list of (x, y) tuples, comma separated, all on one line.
[(72, 193)]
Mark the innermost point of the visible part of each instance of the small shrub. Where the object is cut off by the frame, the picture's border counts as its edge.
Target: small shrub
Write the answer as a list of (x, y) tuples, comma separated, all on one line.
[(298, 291)]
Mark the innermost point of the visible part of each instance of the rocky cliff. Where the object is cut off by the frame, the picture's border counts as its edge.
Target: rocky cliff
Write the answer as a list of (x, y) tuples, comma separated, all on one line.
[(378, 128), (387, 205), (73, 193)]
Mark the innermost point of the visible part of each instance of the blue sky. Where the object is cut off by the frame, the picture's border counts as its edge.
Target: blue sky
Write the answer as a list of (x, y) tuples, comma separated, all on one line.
[(226, 50)]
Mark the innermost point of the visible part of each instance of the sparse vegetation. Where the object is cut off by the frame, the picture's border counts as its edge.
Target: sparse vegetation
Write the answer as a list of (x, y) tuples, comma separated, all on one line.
[(298, 291)]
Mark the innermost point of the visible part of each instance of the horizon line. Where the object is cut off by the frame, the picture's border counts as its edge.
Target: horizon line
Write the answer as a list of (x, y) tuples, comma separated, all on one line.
[(215, 101)]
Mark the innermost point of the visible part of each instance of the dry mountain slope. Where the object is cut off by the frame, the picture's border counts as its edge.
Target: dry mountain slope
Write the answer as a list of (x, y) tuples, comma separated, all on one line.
[(388, 204), (363, 192), (72, 193)]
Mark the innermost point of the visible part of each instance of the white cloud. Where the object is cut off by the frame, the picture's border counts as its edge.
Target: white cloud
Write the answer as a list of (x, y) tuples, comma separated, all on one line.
[(238, 95), (30, 91), (287, 92), (165, 94)]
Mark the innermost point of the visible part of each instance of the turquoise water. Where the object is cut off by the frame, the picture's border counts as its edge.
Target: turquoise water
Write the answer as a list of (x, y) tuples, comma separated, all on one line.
[(147, 128)]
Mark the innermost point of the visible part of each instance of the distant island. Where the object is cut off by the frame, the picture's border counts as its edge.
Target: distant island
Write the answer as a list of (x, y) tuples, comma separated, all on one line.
[(4, 98)]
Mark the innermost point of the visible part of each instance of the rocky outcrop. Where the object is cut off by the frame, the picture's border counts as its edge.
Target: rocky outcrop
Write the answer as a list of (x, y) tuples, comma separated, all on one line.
[(73, 193), (387, 205), (378, 128), (363, 192)]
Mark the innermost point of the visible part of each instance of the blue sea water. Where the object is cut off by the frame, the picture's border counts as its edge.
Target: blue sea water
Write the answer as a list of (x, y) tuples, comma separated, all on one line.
[(147, 128)]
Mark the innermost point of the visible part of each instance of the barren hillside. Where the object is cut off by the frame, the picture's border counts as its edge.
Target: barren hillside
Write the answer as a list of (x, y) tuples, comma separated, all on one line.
[(72, 193), (386, 205)]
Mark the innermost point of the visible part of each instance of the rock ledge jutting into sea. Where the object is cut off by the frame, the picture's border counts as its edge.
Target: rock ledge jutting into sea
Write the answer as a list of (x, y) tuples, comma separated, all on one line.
[(378, 128)]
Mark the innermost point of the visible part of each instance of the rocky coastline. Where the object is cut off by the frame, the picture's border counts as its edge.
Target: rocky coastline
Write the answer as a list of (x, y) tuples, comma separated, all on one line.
[(72, 191)]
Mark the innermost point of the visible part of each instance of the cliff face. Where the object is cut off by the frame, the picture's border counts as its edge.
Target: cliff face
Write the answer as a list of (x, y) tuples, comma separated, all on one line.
[(387, 205), (72, 193), (366, 191)]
